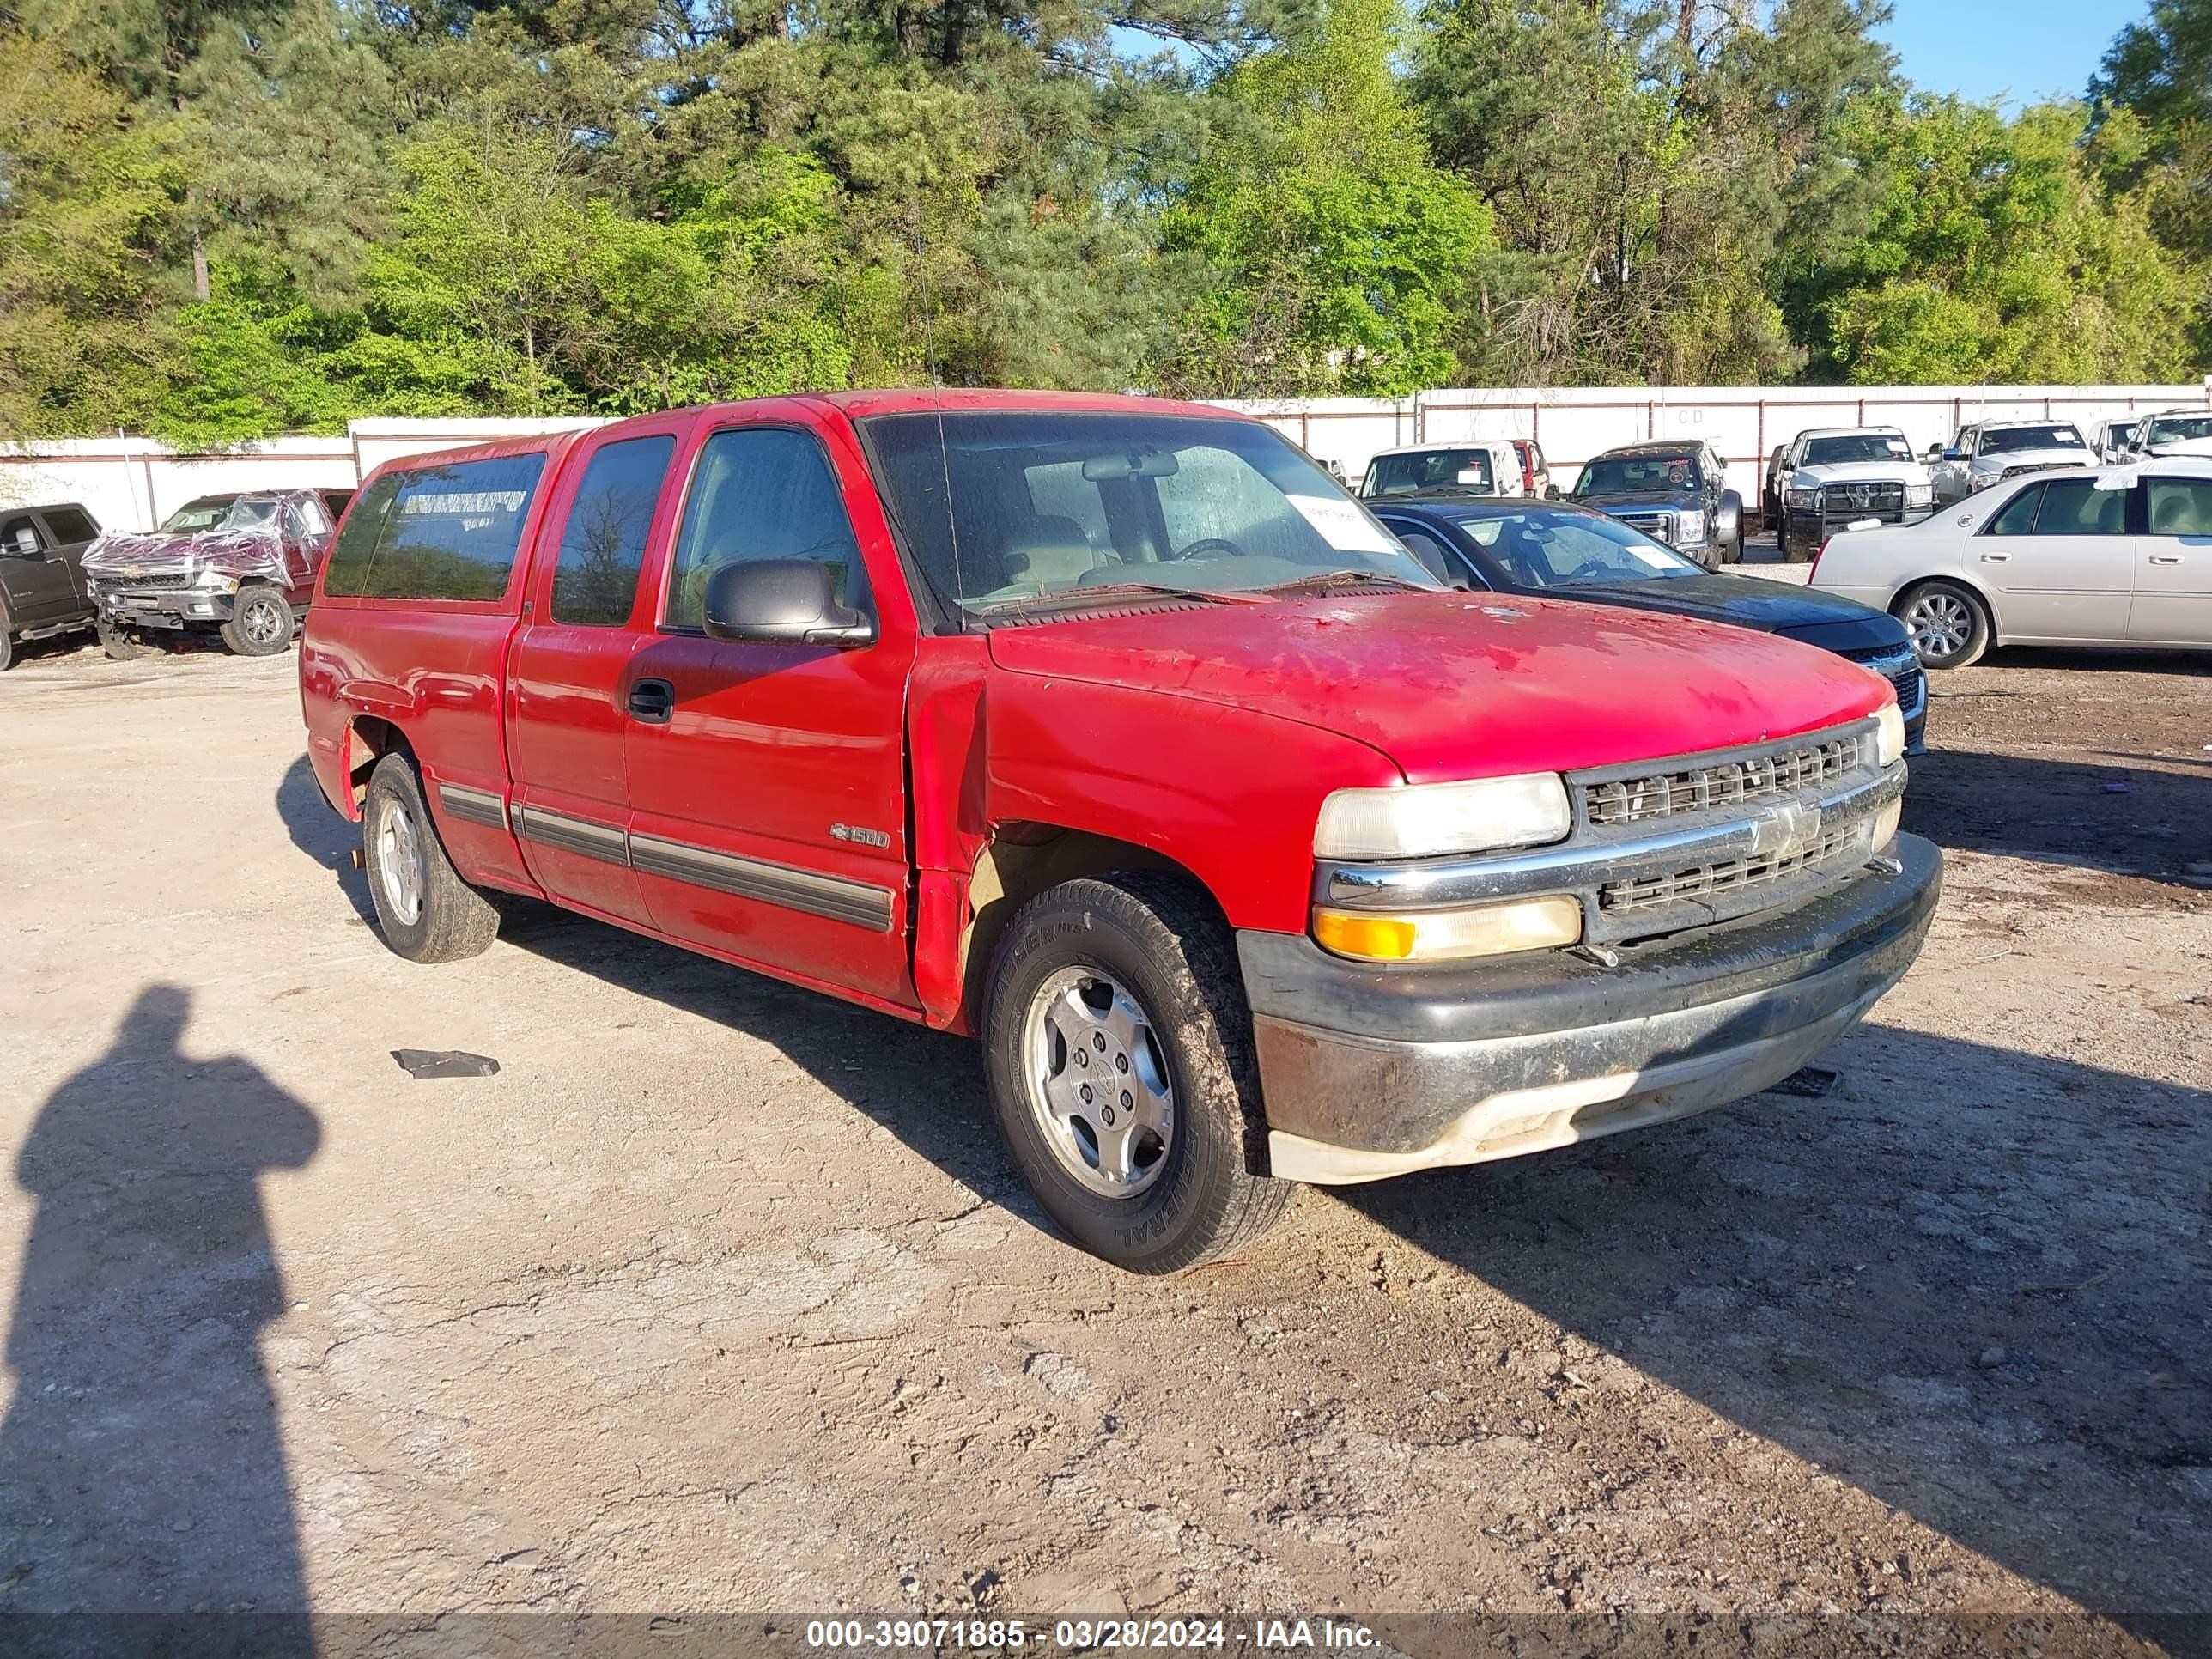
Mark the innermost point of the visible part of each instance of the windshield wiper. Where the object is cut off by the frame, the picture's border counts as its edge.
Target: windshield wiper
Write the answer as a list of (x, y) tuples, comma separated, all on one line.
[(1323, 579), (1111, 591)]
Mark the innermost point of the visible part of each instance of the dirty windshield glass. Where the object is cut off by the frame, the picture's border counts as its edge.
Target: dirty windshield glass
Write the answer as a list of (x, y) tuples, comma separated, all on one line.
[(241, 514), (1467, 470), (2178, 428), (1541, 548), (1859, 447), (1998, 439), (1004, 508), (1624, 475)]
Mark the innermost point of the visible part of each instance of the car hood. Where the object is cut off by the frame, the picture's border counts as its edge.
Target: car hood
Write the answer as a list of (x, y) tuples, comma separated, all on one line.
[(2184, 446), (145, 556), (1889, 471), (1461, 685), (1752, 602)]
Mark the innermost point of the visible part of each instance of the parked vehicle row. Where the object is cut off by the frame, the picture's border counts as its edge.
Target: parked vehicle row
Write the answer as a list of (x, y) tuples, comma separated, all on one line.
[(42, 579), (2082, 556), (1110, 731)]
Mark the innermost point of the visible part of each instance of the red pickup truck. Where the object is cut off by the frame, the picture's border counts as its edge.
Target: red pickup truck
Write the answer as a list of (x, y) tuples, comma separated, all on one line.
[(1111, 732)]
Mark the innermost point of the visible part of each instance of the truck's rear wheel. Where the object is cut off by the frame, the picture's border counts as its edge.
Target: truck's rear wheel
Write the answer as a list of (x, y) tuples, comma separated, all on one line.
[(1121, 1071), (261, 623), (428, 914)]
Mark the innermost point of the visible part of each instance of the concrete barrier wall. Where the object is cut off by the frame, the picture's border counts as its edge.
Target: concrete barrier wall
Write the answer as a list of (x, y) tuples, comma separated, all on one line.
[(133, 484)]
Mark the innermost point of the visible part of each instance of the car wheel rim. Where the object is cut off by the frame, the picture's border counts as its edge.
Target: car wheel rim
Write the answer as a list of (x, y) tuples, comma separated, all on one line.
[(399, 863), (1097, 1082), (260, 621), (1941, 626)]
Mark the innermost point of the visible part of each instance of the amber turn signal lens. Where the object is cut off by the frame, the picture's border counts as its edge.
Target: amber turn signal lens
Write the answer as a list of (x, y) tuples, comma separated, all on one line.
[(1482, 930)]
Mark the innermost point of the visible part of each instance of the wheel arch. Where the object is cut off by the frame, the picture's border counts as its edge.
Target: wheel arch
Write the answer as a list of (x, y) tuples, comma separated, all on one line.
[(1028, 857), (369, 739), (1906, 589)]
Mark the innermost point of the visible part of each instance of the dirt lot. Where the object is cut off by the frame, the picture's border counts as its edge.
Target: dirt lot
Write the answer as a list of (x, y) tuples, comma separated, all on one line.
[(721, 1297)]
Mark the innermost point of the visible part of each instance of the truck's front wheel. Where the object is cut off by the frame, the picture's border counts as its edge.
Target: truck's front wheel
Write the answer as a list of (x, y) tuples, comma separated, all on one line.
[(428, 914), (1122, 1071), (261, 625)]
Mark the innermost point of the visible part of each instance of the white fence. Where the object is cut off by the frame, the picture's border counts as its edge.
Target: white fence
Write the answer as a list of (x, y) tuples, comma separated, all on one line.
[(133, 484)]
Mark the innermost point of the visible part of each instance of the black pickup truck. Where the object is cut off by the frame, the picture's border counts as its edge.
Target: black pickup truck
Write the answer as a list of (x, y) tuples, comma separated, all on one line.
[(1674, 493), (42, 587)]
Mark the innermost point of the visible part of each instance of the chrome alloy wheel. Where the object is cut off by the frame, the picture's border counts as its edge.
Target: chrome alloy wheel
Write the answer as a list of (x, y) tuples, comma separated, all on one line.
[(1942, 625), (260, 623), (1097, 1079), (399, 862)]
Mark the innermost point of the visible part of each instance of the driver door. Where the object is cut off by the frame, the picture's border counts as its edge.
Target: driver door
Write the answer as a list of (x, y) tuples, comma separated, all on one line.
[(34, 579), (767, 781)]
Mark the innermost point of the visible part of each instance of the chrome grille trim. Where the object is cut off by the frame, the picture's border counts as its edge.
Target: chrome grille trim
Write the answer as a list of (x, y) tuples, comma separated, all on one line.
[(1608, 803), (1760, 851)]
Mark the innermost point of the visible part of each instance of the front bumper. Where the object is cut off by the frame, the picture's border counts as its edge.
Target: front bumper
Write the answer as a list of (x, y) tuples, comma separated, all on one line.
[(1369, 1073), (178, 607)]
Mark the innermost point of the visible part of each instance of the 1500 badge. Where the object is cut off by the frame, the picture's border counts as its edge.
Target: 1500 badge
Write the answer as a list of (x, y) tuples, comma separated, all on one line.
[(866, 838)]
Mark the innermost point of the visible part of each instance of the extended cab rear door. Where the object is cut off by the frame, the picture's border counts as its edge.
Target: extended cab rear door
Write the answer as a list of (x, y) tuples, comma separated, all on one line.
[(768, 782), (570, 674)]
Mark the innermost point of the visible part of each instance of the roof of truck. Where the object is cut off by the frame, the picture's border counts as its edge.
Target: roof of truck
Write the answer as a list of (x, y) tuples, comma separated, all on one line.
[(1850, 431)]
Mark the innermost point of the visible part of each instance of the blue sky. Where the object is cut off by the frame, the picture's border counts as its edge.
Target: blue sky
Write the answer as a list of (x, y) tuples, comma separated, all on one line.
[(2020, 48)]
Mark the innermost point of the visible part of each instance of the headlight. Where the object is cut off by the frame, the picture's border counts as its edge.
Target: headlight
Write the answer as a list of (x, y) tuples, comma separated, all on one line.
[(1478, 930), (1889, 735), (1804, 498), (1690, 526), (1919, 495), (1422, 820), (215, 581)]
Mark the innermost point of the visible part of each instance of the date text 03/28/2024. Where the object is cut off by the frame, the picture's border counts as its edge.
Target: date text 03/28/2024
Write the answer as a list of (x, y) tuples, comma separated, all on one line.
[(1088, 1635)]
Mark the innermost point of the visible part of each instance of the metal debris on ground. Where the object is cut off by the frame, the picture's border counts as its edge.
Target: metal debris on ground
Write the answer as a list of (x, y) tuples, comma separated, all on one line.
[(444, 1062)]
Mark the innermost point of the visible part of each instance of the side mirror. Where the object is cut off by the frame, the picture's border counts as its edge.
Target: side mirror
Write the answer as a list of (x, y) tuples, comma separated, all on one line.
[(790, 600), (26, 545), (1955, 454), (1552, 492)]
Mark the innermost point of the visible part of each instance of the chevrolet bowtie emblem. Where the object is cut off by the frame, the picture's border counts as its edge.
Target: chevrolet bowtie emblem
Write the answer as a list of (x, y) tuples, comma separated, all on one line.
[(1786, 830)]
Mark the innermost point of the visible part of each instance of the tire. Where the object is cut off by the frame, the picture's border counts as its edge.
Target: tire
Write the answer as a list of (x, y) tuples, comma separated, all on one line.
[(1949, 622), (1793, 552), (118, 644), (427, 912), (6, 647), (261, 623), (1142, 965)]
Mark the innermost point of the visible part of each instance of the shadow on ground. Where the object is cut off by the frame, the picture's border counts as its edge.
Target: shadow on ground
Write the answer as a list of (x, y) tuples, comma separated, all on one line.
[(142, 1466), (2135, 816), (322, 834), (1983, 1307)]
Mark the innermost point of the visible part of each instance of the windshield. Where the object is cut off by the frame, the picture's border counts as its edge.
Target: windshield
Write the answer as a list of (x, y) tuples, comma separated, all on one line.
[(2178, 428), (1859, 447), (1624, 475), (1998, 441), (241, 514), (1002, 506), (1465, 469), (1539, 547)]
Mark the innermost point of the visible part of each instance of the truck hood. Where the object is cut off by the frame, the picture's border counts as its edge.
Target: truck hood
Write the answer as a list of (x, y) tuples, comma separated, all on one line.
[(1890, 471), (1459, 686), (2068, 456), (144, 557), (2183, 446)]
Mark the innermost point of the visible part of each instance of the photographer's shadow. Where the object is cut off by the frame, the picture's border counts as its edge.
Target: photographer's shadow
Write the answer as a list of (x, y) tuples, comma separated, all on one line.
[(142, 1466)]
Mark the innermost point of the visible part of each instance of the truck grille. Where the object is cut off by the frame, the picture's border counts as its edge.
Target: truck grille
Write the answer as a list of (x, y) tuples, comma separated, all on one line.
[(1757, 777), (1660, 526), (1711, 881), (1901, 668), (1844, 504)]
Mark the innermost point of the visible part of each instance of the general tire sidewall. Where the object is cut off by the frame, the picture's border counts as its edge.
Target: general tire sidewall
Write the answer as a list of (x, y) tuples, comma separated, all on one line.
[(1207, 1152), (388, 784), (1978, 642), (235, 635)]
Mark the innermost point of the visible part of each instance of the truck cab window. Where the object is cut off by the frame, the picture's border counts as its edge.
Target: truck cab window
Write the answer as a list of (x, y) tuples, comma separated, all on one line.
[(761, 493), (603, 544)]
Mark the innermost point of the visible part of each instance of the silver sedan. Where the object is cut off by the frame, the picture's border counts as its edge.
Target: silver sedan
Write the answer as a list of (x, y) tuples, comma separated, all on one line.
[(2085, 556)]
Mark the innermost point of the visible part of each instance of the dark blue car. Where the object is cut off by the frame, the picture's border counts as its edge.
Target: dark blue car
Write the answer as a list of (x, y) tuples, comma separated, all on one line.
[(1554, 550)]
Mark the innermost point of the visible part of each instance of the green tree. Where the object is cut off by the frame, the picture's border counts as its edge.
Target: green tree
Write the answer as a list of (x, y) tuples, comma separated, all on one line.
[(1332, 248)]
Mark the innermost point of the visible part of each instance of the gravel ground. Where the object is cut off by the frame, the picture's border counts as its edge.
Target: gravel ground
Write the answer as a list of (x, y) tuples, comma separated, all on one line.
[(721, 1299)]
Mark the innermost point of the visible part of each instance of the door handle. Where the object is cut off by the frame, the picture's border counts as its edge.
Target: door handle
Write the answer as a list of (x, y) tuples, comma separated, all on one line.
[(2165, 558), (652, 702), (1995, 558)]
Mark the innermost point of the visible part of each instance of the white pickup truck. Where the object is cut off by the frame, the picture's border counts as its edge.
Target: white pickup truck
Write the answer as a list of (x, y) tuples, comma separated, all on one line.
[(1990, 452), (1828, 477)]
